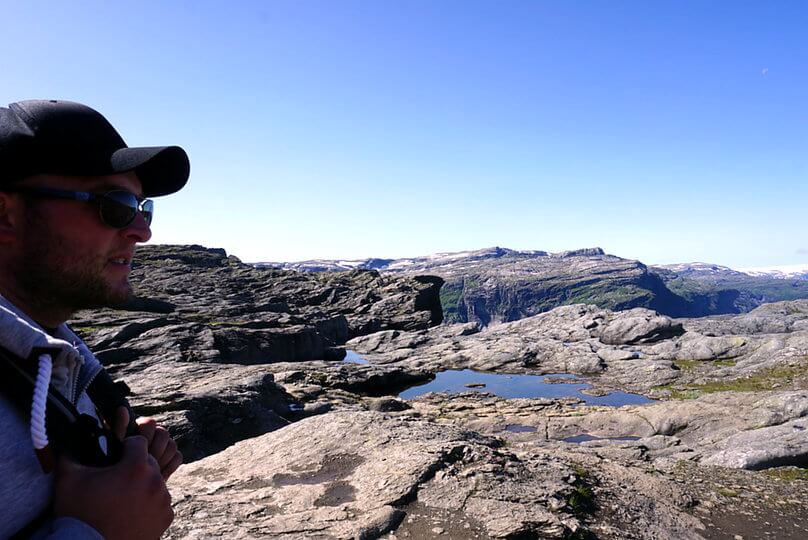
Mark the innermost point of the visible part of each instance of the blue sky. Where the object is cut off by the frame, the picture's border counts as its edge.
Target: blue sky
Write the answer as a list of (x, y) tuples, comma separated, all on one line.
[(660, 131)]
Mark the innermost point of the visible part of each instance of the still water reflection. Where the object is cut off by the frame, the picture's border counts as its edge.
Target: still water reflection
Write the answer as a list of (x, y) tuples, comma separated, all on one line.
[(518, 386)]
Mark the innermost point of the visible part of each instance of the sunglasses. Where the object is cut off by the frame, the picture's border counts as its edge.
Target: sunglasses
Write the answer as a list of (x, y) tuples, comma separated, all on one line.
[(117, 208)]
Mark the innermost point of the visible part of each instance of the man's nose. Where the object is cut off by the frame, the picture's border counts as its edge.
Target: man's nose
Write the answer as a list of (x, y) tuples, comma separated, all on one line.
[(138, 230)]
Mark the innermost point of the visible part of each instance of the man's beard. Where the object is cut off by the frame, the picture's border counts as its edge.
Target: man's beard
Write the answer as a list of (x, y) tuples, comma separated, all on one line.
[(54, 276)]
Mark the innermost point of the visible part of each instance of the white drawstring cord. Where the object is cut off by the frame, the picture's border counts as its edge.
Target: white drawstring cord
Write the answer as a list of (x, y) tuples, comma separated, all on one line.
[(38, 433)]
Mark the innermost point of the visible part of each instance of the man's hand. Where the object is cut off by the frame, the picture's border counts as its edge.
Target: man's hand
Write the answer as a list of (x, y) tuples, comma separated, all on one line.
[(161, 446), (126, 501)]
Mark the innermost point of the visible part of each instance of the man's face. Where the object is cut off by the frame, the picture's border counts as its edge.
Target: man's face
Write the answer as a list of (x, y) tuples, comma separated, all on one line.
[(68, 258)]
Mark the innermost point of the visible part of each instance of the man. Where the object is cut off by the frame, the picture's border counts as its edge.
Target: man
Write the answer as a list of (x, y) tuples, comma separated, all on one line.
[(72, 209)]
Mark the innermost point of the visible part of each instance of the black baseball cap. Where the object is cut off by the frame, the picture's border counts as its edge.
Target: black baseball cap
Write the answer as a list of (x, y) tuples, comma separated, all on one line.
[(63, 137)]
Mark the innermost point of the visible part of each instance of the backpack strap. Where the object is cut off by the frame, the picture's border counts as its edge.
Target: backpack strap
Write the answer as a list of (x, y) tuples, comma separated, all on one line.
[(108, 395), (69, 431)]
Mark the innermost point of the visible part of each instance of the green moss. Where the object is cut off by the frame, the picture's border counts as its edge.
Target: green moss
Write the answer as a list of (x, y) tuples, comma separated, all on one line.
[(582, 497), (226, 323), (686, 365), (726, 492), (789, 474), (449, 299), (450, 295), (689, 365), (793, 310), (724, 362), (678, 393), (87, 329), (759, 382), (580, 471), (471, 283), (602, 295)]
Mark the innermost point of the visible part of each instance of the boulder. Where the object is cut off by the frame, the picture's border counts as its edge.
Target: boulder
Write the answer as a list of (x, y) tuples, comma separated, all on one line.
[(775, 446), (638, 326)]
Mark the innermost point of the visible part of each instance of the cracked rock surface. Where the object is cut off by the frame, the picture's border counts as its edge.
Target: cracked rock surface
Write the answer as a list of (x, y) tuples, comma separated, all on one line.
[(350, 474)]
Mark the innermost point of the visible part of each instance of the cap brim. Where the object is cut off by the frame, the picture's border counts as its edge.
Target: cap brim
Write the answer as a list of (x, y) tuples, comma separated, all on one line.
[(162, 170)]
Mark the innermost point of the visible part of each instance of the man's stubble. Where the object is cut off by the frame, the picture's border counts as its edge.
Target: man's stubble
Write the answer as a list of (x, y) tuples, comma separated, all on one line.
[(54, 271)]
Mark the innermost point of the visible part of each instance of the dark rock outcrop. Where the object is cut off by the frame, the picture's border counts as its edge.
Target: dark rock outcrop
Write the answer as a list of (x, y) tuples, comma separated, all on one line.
[(206, 282), (195, 342)]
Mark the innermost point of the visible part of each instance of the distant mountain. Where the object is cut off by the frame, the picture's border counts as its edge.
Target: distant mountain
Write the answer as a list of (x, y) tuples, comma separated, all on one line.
[(751, 287), (698, 269), (414, 264), (450, 261), (324, 265), (497, 284)]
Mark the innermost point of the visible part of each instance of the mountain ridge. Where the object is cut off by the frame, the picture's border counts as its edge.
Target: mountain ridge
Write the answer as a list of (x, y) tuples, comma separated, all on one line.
[(402, 263), (496, 284)]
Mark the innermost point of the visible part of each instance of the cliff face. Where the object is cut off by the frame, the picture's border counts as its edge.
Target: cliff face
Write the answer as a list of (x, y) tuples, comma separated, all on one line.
[(721, 290), (514, 286), (510, 288), (496, 285)]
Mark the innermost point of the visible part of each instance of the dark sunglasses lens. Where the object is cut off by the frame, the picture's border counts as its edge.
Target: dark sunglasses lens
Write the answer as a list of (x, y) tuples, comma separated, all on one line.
[(148, 211), (118, 208)]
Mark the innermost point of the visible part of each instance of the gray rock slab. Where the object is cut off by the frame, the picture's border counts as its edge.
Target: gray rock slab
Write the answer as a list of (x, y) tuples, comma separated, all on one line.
[(356, 474), (775, 446), (344, 475)]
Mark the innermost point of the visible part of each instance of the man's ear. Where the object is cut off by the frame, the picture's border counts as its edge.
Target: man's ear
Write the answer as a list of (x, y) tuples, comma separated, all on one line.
[(9, 211)]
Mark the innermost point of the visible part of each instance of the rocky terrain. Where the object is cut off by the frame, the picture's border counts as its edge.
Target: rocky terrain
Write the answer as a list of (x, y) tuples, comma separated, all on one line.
[(495, 285), (194, 344), (286, 439)]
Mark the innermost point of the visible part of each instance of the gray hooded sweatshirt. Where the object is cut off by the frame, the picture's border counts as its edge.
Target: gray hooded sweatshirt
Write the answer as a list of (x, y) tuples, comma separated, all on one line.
[(26, 491)]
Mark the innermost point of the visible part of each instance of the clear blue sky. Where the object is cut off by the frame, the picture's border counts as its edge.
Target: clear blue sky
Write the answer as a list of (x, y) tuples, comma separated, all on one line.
[(662, 131)]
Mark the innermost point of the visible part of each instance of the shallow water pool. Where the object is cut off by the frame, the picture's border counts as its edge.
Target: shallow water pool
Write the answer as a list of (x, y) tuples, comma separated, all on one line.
[(352, 358), (518, 386), (585, 437)]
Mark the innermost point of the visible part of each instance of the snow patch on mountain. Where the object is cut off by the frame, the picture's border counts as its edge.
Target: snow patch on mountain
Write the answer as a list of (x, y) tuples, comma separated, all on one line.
[(788, 271), (700, 267)]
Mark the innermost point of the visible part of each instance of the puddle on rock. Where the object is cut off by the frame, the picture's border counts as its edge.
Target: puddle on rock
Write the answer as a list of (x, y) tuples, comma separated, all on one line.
[(587, 437), (352, 358), (520, 428), (520, 386)]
